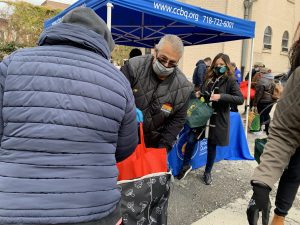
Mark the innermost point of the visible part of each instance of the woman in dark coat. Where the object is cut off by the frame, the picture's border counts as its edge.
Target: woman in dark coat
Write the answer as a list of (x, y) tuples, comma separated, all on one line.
[(222, 89)]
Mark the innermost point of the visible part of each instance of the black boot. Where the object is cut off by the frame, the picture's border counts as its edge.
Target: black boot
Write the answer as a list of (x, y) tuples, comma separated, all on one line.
[(207, 178), (185, 170)]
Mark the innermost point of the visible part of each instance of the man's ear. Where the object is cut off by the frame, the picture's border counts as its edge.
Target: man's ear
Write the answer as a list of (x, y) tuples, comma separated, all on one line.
[(155, 49)]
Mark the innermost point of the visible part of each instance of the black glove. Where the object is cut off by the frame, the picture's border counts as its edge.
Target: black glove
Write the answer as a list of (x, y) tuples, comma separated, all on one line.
[(260, 201)]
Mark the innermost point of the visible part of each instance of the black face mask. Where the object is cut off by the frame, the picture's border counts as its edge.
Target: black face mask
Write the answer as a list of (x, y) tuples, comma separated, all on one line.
[(220, 70)]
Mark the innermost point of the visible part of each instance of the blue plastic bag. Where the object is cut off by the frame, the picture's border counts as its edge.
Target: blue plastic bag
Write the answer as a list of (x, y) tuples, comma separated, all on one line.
[(176, 155)]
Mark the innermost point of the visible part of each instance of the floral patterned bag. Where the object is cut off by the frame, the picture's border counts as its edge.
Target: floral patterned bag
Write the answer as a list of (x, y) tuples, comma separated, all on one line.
[(145, 200)]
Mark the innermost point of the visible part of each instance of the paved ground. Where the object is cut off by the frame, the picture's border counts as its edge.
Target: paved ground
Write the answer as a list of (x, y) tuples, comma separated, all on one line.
[(225, 201)]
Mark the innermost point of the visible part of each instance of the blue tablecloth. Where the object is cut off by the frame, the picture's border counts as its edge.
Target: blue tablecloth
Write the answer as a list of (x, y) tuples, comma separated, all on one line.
[(236, 150)]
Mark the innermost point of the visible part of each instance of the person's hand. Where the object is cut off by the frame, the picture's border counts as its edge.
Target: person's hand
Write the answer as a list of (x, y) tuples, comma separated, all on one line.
[(198, 94), (215, 97), (260, 201), (139, 116), (254, 109)]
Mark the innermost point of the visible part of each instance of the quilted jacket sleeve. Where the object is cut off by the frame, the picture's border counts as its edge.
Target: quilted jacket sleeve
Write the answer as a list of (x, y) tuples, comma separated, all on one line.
[(128, 72), (3, 73), (128, 133)]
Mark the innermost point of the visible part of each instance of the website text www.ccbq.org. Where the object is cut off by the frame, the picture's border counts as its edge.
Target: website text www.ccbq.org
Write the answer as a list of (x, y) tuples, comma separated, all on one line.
[(178, 11)]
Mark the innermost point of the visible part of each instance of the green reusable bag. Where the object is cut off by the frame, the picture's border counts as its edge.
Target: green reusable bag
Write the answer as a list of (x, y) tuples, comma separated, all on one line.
[(198, 113), (259, 148), (255, 123)]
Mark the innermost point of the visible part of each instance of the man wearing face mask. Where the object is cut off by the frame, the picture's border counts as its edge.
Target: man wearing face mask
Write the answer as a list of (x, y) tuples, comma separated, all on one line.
[(161, 91)]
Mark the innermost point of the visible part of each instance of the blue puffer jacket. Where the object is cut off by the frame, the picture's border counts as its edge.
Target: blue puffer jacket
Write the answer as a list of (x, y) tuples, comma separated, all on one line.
[(67, 115)]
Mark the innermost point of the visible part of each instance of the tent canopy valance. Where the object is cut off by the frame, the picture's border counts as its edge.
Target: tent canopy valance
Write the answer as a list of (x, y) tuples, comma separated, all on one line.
[(141, 23)]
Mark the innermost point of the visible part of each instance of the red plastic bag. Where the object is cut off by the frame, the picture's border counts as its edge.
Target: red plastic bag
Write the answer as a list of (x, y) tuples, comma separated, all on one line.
[(244, 90), (143, 161)]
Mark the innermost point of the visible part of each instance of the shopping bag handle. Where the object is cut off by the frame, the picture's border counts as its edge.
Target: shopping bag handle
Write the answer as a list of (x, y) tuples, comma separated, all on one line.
[(142, 138)]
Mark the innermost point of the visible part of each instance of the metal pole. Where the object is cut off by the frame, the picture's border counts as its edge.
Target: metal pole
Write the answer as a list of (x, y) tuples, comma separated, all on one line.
[(247, 9), (249, 86), (108, 18)]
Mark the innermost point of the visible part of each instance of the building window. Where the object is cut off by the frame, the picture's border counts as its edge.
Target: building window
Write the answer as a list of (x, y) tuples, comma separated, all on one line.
[(285, 42), (268, 38)]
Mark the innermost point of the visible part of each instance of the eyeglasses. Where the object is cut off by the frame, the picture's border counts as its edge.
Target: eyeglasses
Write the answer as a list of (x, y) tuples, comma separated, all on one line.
[(166, 62)]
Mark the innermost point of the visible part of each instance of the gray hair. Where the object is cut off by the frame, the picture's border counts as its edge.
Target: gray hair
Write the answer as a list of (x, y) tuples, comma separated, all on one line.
[(175, 42)]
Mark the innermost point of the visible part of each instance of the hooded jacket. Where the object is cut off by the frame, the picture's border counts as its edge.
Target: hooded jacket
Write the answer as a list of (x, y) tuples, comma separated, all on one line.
[(67, 116)]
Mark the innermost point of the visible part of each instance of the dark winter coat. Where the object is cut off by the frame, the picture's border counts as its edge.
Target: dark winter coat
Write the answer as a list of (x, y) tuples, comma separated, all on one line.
[(263, 90), (67, 115), (163, 103), (220, 120), (199, 73)]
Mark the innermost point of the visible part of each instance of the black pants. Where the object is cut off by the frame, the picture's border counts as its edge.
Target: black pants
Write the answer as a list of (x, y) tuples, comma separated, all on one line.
[(211, 156), (250, 105), (264, 110), (288, 186), (234, 107)]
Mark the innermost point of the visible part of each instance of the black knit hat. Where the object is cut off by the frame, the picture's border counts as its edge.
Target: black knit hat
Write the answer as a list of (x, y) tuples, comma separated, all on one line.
[(87, 18)]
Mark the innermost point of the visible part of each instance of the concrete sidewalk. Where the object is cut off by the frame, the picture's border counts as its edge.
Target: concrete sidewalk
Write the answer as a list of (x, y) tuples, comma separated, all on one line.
[(234, 214)]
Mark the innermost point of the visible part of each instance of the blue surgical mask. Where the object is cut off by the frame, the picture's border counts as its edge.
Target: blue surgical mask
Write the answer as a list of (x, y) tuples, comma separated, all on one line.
[(220, 70), (161, 70)]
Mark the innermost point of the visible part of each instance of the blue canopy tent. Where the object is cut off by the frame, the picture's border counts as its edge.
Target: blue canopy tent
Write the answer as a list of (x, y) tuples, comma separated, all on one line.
[(141, 23)]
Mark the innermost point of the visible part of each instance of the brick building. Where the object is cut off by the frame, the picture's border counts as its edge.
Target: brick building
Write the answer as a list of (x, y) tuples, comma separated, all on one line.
[(276, 22)]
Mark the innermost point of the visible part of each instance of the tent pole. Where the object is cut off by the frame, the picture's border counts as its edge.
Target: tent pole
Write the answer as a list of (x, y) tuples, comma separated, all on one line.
[(249, 86), (108, 18)]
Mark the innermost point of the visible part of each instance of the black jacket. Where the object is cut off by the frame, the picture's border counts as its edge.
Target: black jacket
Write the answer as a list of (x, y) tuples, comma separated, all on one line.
[(163, 103), (220, 120)]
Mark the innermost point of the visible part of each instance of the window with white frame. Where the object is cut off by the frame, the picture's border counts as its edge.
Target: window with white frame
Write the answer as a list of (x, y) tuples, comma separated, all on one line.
[(285, 42), (268, 38)]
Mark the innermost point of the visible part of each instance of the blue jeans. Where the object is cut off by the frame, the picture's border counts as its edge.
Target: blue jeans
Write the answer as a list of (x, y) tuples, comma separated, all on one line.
[(192, 140), (189, 148)]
